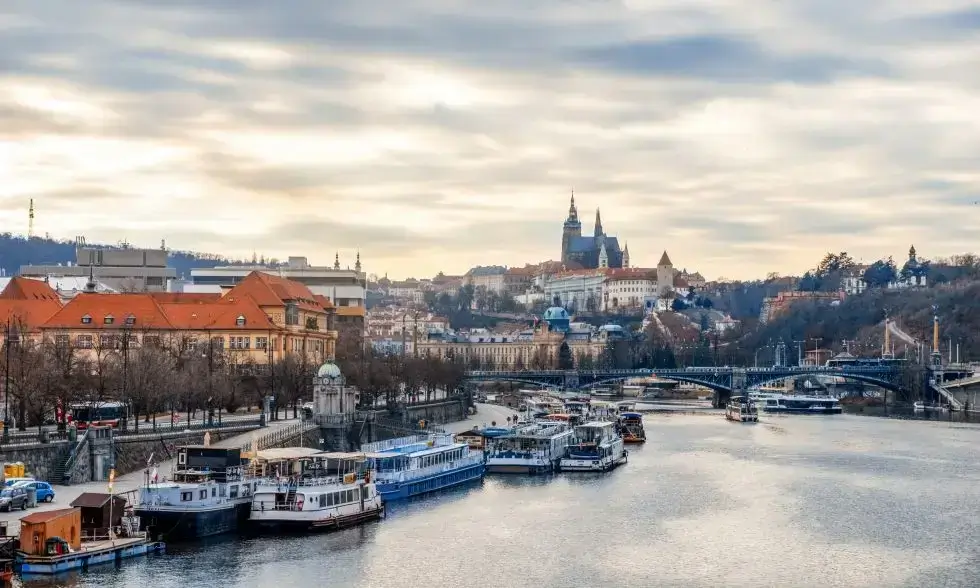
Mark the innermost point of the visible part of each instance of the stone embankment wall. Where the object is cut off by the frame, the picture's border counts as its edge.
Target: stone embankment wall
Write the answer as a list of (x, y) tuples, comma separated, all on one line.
[(40, 459), (132, 452)]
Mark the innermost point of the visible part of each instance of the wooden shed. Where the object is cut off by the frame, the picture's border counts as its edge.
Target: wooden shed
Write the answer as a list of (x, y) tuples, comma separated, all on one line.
[(100, 512), (40, 528)]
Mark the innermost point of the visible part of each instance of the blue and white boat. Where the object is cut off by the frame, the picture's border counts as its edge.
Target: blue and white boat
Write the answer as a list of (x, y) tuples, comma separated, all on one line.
[(419, 464), (779, 403), (532, 449), (596, 447)]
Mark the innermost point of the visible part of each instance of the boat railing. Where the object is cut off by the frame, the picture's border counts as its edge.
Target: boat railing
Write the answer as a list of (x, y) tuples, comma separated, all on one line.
[(387, 444), (291, 484), (403, 475)]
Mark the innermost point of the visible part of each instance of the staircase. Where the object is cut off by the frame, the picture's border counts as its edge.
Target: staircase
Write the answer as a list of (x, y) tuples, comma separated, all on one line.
[(954, 403), (62, 471)]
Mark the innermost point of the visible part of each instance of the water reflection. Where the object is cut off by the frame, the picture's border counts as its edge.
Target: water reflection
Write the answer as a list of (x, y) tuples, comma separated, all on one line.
[(792, 501)]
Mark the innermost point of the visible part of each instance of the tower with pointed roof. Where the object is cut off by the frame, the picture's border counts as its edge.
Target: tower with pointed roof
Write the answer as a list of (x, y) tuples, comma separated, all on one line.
[(626, 255), (665, 274), (578, 251), (357, 264), (571, 230)]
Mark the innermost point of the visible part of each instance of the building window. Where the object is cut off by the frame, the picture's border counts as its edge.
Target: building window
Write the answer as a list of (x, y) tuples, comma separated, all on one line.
[(218, 342), (130, 320), (239, 342), (61, 340), (240, 321), (151, 340), (107, 341), (292, 314), (84, 341), (108, 319), (86, 320), (261, 342)]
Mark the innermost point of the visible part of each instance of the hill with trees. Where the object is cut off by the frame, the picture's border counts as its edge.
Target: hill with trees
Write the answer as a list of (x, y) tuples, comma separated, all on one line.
[(18, 250)]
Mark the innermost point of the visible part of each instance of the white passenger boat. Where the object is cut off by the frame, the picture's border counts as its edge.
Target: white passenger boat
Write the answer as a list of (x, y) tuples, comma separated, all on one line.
[(923, 407), (779, 403), (741, 409), (533, 449), (301, 489), (596, 447)]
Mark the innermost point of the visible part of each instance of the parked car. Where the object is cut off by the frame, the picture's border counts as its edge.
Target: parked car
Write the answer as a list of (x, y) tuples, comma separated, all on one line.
[(11, 481), (45, 493), (11, 498)]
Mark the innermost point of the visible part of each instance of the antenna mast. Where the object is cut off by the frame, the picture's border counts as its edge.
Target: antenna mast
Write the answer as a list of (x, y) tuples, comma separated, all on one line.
[(30, 221)]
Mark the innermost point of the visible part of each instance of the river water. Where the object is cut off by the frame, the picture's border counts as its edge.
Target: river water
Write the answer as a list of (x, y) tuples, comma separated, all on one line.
[(793, 501)]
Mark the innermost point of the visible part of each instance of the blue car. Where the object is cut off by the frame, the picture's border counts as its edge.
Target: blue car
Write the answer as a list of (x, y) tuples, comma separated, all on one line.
[(44, 491)]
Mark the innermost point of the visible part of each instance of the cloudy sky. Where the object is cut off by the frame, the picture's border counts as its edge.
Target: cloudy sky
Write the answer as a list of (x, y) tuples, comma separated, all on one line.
[(743, 136)]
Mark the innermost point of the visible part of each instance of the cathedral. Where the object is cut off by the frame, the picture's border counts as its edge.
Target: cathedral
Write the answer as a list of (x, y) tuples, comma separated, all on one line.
[(593, 252)]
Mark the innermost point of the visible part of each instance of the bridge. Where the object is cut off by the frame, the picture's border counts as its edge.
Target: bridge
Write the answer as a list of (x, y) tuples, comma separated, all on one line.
[(722, 380)]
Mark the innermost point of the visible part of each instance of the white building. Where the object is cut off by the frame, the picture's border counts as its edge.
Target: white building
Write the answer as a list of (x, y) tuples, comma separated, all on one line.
[(912, 275), (628, 288), (577, 289), (343, 287), (492, 278), (388, 322), (409, 290)]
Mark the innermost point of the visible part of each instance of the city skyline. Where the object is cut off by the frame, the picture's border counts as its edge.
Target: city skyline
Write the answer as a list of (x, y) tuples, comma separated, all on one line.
[(743, 142)]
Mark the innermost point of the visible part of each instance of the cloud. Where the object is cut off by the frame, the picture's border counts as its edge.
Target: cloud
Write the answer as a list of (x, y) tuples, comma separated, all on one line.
[(434, 135)]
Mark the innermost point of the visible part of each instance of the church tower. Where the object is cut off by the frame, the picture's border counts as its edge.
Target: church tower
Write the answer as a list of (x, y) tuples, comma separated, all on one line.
[(598, 225), (626, 255), (603, 256), (571, 230), (665, 275)]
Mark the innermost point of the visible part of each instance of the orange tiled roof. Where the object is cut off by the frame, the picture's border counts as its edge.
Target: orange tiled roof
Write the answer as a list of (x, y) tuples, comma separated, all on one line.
[(21, 288), (143, 308), (626, 273), (28, 314), (185, 297), (323, 301), (218, 315), (268, 290)]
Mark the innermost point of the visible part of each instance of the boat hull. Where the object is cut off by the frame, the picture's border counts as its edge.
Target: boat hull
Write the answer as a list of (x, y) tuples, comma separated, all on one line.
[(183, 525), (592, 465), (289, 522), (521, 468), (785, 410), (391, 491), (30, 565)]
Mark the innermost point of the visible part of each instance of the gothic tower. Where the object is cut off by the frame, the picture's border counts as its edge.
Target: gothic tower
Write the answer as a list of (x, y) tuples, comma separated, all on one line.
[(626, 255), (571, 230), (598, 225), (665, 275)]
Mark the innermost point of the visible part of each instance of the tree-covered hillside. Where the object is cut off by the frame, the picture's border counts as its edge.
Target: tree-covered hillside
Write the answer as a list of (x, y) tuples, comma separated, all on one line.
[(17, 250)]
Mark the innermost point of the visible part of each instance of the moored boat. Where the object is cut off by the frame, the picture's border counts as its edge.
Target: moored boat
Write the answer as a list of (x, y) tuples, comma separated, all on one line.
[(920, 406), (534, 449), (596, 447), (741, 409), (419, 464), (631, 426), (307, 490), (208, 494), (802, 405)]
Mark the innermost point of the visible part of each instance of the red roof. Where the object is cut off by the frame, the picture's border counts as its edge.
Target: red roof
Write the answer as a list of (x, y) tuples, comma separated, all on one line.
[(21, 288), (269, 290), (28, 314), (46, 515), (323, 301), (185, 297), (142, 308), (221, 315)]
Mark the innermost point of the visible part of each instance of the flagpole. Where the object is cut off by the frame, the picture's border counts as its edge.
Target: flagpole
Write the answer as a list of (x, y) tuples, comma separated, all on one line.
[(112, 478)]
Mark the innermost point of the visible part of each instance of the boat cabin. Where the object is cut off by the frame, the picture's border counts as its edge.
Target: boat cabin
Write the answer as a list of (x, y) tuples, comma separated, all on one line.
[(413, 452), (476, 439), (198, 463), (51, 532), (99, 512), (630, 418), (595, 432)]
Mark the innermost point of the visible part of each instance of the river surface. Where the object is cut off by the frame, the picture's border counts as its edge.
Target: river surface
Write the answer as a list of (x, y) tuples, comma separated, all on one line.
[(793, 501)]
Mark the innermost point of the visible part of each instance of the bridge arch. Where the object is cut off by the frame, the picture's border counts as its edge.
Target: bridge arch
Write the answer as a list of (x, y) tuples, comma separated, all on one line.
[(867, 378), (693, 379)]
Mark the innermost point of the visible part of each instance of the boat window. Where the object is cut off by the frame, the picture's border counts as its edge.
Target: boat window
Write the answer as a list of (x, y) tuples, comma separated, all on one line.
[(186, 496), (204, 494), (330, 501), (214, 492), (350, 496), (233, 491), (323, 500), (364, 492), (224, 491)]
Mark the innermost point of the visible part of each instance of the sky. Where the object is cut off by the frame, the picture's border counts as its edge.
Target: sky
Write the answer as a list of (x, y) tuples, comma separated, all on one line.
[(742, 136)]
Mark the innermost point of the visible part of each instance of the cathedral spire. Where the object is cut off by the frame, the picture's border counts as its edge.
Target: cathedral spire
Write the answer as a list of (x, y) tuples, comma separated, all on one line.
[(572, 211), (598, 224), (626, 255)]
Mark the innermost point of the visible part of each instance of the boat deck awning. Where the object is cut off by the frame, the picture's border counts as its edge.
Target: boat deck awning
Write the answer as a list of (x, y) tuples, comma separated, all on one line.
[(286, 453), (342, 455)]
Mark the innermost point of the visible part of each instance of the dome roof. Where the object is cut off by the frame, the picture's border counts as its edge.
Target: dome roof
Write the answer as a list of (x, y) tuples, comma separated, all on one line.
[(555, 313), (328, 370)]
